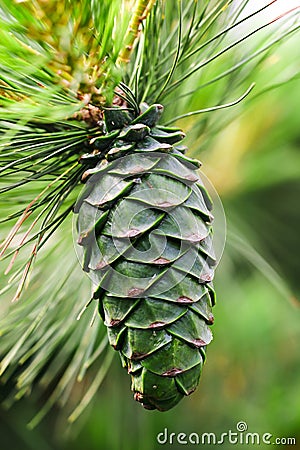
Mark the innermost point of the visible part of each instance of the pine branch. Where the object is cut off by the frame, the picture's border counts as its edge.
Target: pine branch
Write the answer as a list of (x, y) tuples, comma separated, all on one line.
[(141, 10), (45, 90)]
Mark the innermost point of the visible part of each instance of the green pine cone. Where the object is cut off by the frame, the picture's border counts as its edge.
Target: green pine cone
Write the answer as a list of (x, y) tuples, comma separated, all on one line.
[(144, 223)]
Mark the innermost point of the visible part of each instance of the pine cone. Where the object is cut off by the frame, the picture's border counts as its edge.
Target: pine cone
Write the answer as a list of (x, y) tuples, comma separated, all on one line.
[(144, 223)]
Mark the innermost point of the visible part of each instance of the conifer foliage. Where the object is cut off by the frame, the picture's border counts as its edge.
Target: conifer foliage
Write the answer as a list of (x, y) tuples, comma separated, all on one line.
[(82, 84)]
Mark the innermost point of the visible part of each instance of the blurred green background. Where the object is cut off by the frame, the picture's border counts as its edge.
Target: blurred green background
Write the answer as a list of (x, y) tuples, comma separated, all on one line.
[(252, 370)]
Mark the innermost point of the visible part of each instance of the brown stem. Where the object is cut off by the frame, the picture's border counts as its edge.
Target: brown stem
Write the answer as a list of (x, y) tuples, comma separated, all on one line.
[(140, 13)]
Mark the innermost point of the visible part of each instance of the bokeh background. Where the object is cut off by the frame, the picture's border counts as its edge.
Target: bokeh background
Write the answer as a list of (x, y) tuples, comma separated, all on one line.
[(252, 369)]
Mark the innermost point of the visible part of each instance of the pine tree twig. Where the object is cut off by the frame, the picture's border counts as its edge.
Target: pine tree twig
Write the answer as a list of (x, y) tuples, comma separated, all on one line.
[(140, 13)]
